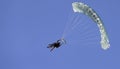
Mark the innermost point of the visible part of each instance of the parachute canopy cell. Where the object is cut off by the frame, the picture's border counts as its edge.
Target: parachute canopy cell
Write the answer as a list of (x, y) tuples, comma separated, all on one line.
[(79, 7)]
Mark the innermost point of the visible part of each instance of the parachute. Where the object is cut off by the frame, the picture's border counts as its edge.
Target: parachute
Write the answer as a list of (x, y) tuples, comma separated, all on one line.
[(79, 7)]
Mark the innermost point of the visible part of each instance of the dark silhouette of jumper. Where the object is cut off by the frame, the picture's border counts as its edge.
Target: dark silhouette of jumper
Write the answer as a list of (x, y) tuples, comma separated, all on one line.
[(56, 44)]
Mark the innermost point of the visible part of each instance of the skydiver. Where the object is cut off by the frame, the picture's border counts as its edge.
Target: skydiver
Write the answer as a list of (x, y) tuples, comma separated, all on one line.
[(56, 44)]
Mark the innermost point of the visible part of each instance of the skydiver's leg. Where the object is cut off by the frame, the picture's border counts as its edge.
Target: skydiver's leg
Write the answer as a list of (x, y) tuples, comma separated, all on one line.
[(50, 45), (52, 48)]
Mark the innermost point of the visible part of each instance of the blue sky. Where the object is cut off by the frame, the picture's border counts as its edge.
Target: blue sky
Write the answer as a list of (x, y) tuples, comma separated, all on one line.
[(28, 26)]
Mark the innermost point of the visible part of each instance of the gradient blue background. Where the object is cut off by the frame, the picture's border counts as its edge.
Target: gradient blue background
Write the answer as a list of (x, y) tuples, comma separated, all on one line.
[(27, 26)]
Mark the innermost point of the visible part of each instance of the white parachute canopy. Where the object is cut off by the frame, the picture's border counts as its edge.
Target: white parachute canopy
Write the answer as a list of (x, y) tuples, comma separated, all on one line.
[(85, 9)]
